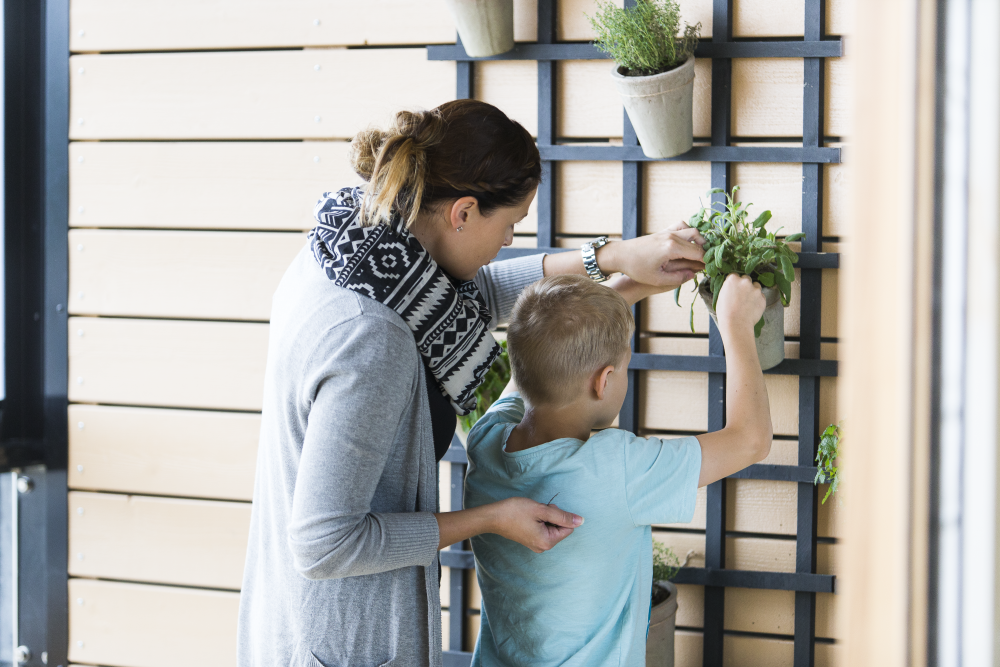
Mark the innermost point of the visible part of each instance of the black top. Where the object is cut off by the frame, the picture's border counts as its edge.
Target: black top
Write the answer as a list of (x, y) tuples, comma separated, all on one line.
[(443, 420)]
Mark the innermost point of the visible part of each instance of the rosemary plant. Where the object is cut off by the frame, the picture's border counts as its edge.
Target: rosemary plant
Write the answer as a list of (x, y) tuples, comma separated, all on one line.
[(644, 39)]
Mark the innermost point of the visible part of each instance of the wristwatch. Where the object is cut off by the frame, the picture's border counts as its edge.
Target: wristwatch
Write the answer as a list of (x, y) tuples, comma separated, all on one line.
[(589, 250)]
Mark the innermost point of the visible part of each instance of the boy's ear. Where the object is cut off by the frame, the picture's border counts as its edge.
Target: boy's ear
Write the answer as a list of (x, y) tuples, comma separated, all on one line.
[(601, 381)]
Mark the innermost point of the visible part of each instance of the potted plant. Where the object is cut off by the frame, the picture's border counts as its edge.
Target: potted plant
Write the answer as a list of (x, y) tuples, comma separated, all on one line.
[(654, 70), (663, 612), (734, 244), (485, 26), (826, 456)]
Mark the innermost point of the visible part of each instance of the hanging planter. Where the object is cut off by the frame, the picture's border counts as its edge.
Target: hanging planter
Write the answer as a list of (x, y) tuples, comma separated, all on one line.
[(654, 71), (485, 26), (662, 619), (734, 244)]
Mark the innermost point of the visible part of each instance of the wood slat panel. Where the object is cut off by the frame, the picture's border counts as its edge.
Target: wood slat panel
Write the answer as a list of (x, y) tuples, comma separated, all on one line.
[(204, 275), (203, 184), (767, 97), (250, 95), (672, 192), (589, 198), (511, 86), (839, 97), (742, 651), (836, 196), (190, 453), (139, 625), (165, 363), (158, 540)]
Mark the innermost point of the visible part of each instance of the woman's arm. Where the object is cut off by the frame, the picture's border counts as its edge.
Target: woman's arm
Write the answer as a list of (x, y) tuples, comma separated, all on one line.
[(538, 527)]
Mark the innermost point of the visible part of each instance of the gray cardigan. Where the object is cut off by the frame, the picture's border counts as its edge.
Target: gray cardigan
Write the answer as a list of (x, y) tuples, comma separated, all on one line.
[(341, 566)]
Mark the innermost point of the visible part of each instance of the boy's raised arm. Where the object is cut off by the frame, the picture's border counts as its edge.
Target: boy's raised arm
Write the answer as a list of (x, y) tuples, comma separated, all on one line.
[(746, 438)]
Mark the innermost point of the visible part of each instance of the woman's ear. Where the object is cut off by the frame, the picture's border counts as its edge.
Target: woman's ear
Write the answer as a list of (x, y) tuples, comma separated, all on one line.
[(601, 381), (462, 209)]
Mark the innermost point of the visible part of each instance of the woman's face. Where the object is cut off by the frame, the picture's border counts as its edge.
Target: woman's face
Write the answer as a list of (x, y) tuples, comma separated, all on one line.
[(470, 240)]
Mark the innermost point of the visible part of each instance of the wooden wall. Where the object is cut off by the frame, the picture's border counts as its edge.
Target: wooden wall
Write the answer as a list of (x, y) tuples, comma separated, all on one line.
[(202, 135)]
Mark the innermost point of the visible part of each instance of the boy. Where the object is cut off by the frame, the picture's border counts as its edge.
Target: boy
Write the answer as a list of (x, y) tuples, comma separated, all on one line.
[(586, 602)]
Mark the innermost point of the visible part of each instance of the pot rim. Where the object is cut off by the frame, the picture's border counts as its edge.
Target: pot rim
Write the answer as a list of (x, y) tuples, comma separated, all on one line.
[(684, 71)]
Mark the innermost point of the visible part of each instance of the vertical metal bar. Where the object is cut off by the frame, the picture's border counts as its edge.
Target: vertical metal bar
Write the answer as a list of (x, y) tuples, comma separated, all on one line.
[(457, 607), (810, 327), (547, 125), (715, 524), (628, 419), (465, 85)]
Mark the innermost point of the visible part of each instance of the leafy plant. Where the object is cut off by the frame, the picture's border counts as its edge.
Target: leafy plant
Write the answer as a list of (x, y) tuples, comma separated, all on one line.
[(829, 450), (493, 384), (665, 567), (734, 244), (644, 39)]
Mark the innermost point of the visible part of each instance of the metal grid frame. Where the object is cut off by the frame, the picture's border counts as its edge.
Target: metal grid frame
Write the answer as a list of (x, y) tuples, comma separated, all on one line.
[(812, 48)]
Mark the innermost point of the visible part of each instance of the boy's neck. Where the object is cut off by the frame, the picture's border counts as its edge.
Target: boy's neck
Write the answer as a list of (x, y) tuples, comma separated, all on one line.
[(543, 424)]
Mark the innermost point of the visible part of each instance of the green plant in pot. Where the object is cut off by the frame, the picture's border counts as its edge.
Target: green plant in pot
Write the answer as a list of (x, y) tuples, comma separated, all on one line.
[(737, 244), (663, 612), (654, 70)]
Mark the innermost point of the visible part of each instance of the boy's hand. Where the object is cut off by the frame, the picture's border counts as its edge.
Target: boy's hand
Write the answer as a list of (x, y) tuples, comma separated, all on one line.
[(538, 527), (741, 303)]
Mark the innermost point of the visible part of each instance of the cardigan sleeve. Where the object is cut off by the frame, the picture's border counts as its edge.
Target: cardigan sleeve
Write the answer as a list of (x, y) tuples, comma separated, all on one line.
[(501, 282), (362, 386)]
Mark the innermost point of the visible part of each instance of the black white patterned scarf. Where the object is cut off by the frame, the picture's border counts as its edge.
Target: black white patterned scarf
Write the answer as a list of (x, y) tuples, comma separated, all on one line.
[(385, 262)]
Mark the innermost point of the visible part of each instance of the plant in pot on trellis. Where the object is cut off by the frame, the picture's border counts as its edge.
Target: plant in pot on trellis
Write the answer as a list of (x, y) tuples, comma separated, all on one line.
[(734, 244), (485, 26), (654, 70), (663, 608)]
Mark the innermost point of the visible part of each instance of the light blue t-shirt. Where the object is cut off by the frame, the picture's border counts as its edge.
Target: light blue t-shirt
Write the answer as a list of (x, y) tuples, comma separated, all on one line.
[(586, 601)]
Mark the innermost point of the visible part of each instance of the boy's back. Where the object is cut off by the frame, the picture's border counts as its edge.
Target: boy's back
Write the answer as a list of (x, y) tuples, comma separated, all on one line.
[(585, 602)]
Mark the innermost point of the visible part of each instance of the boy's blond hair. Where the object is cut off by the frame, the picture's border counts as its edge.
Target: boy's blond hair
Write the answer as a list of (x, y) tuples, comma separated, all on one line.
[(562, 329)]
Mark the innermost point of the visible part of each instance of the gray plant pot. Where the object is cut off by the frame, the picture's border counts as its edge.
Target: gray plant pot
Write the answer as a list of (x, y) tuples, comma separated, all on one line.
[(485, 26), (659, 107), (771, 342), (660, 640)]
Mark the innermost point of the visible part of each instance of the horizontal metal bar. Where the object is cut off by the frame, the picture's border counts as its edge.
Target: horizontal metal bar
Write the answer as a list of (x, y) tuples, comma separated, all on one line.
[(794, 154), (456, 659), (587, 51), (807, 260), (462, 560), (677, 362), (775, 581), (777, 473)]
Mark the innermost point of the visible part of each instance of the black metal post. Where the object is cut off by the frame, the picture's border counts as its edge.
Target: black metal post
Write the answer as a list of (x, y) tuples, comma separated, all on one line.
[(546, 126)]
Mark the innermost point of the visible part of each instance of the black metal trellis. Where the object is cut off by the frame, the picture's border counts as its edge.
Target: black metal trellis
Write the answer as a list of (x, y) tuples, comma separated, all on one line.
[(812, 48)]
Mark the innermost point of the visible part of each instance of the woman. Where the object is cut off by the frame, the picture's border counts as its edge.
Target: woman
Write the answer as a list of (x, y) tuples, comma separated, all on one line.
[(380, 333)]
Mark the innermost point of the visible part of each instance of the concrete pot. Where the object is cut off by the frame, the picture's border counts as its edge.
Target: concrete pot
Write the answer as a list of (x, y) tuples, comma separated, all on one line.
[(660, 640), (771, 342), (659, 107), (485, 26)]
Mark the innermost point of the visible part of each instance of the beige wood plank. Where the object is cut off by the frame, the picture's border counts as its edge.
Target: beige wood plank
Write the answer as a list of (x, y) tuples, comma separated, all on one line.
[(166, 363), (201, 184), (840, 107), (741, 651), (118, 25), (511, 86), (589, 198), (836, 195), (688, 647), (139, 625), (767, 97), (471, 632), (203, 275), (190, 453), (158, 540), (840, 17), (673, 192), (251, 94)]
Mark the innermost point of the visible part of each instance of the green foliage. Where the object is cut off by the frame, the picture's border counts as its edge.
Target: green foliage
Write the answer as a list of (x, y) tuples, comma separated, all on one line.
[(489, 391), (644, 39), (665, 562), (826, 455), (735, 244)]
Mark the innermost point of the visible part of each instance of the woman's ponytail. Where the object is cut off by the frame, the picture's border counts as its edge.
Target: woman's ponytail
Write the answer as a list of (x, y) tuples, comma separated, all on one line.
[(461, 148)]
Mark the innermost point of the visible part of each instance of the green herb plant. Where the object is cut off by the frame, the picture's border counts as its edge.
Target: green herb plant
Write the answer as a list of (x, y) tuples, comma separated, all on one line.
[(734, 244), (666, 565), (489, 391), (826, 455), (644, 39)]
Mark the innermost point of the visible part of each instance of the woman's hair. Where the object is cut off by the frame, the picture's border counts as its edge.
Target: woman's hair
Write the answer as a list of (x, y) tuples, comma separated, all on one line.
[(460, 149), (562, 329)]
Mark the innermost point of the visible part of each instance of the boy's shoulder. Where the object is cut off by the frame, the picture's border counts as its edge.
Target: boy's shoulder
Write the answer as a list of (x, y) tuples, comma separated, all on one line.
[(507, 410)]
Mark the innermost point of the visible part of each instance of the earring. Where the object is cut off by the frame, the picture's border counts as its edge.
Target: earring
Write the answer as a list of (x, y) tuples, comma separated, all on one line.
[(461, 228)]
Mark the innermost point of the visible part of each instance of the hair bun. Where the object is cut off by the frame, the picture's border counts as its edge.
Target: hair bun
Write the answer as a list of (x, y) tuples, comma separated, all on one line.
[(364, 151)]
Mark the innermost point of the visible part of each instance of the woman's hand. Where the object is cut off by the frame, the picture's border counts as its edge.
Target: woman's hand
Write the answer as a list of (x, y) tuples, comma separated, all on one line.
[(538, 527), (666, 259)]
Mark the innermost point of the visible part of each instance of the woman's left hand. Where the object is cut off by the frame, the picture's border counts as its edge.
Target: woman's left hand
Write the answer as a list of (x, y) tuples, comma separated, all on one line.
[(666, 259)]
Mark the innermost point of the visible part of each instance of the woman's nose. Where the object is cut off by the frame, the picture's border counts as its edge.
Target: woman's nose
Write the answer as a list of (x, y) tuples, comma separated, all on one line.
[(508, 238)]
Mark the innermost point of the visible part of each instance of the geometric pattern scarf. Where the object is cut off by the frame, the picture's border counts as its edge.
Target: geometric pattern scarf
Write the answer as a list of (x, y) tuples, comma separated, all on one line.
[(385, 262)]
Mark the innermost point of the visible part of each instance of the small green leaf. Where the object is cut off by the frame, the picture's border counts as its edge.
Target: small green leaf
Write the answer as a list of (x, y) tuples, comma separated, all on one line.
[(785, 286), (725, 267), (766, 279), (761, 220), (786, 266), (757, 328), (677, 296), (794, 237), (714, 191)]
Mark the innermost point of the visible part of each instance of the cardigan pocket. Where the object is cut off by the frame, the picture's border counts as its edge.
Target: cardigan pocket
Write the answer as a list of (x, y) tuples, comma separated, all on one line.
[(313, 661)]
